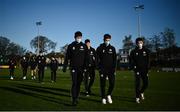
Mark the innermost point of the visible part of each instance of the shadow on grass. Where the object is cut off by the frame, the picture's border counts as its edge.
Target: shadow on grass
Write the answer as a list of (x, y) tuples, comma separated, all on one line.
[(54, 91), (124, 98), (29, 92)]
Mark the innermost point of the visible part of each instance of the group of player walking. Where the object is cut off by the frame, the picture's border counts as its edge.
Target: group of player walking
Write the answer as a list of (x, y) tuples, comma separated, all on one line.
[(83, 61)]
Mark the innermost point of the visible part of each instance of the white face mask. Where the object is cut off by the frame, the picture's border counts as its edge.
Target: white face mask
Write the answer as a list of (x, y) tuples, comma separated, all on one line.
[(140, 46), (107, 43), (78, 40)]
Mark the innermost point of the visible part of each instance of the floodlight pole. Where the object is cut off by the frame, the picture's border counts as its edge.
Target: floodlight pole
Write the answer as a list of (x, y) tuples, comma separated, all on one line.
[(138, 8), (38, 24)]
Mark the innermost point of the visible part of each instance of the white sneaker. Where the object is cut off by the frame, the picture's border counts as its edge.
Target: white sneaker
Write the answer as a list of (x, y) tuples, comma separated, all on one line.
[(24, 77), (142, 96), (103, 101), (34, 77), (11, 78), (107, 78), (109, 99), (137, 100)]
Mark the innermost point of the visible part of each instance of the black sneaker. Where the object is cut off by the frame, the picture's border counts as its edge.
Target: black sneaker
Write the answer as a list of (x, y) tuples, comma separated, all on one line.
[(74, 102)]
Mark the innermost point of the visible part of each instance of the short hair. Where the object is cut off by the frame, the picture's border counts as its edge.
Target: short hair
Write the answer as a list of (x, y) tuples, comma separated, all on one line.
[(107, 36), (86, 41), (139, 39), (77, 34)]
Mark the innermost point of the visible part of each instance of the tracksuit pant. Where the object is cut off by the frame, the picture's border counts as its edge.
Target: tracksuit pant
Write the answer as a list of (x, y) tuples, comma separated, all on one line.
[(111, 77), (53, 75), (77, 77), (140, 75), (90, 73), (41, 74)]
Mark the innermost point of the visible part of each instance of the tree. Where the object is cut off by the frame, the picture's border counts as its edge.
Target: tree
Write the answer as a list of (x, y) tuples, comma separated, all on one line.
[(156, 41), (128, 43), (168, 37), (45, 44), (4, 43), (8, 48), (147, 43), (63, 49)]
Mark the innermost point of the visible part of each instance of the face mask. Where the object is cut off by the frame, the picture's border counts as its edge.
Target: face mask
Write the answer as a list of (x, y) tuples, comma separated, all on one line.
[(140, 46), (107, 43), (78, 40)]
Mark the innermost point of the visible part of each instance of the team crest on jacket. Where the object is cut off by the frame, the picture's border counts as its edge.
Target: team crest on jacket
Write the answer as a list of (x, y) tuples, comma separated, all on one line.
[(136, 54), (73, 48), (103, 50), (81, 48), (110, 51), (144, 53), (91, 53)]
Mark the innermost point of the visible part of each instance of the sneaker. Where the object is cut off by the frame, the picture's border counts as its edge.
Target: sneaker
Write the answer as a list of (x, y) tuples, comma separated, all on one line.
[(103, 101), (24, 77), (107, 78), (142, 96), (74, 102), (34, 77), (87, 94), (137, 100), (109, 99), (11, 78)]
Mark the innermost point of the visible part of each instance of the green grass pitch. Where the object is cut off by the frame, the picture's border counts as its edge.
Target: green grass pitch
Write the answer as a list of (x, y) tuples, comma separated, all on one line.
[(163, 93)]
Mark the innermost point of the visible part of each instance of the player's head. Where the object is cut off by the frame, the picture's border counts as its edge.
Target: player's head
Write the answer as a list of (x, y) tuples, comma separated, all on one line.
[(140, 42), (78, 36), (88, 43), (107, 39)]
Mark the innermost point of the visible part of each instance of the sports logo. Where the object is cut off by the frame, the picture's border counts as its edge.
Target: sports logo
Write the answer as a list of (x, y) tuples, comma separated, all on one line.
[(103, 50), (144, 53), (81, 48)]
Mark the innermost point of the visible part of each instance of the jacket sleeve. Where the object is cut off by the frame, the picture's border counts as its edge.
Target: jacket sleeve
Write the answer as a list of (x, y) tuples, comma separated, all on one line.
[(114, 58), (95, 55), (98, 53), (86, 58), (131, 60), (67, 57)]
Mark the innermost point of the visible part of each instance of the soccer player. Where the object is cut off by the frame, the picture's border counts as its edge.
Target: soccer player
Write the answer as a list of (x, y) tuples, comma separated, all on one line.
[(77, 55), (33, 65), (90, 73), (139, 62), (24, 66), (41, 60), (106, 54), (53, 66), (12, 64)]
